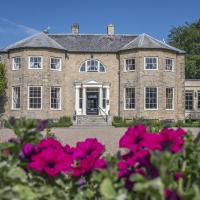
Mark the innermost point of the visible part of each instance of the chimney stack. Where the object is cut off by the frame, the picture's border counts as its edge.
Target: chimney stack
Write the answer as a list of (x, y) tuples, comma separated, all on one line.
[(75, 28), (110, 29)]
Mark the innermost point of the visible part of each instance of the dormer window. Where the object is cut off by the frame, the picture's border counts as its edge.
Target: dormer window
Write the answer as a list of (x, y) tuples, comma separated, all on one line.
[(92, 66), (35, 62)]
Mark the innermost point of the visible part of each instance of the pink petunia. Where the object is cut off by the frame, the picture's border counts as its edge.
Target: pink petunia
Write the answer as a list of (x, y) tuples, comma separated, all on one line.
[(87, 157), (133, 138), (28, 150), (171, 140), (51, 161)]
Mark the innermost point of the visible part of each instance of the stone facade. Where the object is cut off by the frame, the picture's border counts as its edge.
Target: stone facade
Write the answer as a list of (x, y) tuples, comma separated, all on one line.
[(160, 78), (193, 86), (114, 79), (114, 76)]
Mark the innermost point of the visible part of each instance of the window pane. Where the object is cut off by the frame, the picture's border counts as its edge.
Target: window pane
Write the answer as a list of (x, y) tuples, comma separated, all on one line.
[(35, 97), (80, 98), (104, 98), (189, 100), (35, 62), (130, 64), (169, 98), (151, 98), (130, 98), (92, 66), (82, 69), (16, 63), (55, 98), (198, 99), (16, 97), (151, 62), (169, 64), (55, 63)]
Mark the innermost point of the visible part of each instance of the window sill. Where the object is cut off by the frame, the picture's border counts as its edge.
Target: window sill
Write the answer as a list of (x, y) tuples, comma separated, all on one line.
[(35, 109), (36, 68), (150, 69), (59, 70), (130, 71), (155, 109), (129, 109)]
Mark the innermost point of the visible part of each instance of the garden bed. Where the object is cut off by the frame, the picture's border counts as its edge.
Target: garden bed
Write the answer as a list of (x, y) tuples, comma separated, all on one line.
[(154, 166)]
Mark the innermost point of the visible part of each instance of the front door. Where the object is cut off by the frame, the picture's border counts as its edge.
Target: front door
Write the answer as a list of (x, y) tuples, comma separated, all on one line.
[(92, 102)]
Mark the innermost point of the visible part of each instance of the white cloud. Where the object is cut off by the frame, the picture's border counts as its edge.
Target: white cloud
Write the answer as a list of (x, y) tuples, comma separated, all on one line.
[(26, 29)]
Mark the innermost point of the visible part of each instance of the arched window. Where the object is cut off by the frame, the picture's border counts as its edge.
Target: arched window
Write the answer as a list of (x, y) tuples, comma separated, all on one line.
[(92, 66)]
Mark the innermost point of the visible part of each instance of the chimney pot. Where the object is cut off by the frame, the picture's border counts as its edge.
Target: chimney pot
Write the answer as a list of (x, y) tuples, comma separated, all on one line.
[(75, 28), (111, 29)]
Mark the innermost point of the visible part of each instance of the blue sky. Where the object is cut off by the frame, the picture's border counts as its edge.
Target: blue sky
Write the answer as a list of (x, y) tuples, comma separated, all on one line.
[(22, 18)]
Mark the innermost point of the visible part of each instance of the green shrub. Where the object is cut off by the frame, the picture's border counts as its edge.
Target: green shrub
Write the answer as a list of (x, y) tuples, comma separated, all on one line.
[(64, 121)]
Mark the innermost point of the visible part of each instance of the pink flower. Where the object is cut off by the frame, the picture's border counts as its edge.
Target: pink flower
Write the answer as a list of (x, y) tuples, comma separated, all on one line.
[(178, 175), (87, 157), (90, 147), (48, 143), (171, 140), (133, 138), (28, 150), (171, 195), (51, 161)]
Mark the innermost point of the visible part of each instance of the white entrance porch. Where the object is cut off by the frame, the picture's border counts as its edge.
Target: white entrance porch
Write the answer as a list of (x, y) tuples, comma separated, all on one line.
[(92, 98)]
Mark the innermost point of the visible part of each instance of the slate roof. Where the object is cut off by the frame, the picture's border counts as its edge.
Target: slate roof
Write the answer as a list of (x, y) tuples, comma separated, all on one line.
[(92, 43), (146, 41), (40, 40)]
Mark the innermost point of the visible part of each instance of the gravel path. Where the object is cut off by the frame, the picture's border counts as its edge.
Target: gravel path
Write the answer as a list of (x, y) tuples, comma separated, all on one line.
[(108, 135)]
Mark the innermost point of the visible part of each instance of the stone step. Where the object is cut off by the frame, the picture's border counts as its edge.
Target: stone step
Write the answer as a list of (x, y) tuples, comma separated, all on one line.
[(91, 120)]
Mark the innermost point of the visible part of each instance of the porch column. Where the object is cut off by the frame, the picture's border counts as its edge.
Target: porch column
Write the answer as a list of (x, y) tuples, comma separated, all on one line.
[(84, 101), (77, 100), (100, 99), (107, 99)]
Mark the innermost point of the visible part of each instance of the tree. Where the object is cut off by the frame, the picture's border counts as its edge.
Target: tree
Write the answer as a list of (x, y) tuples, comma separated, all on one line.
[(3, 86), (3, 79), (187, 37)]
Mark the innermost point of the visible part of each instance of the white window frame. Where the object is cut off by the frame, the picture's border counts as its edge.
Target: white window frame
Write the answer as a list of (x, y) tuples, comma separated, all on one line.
[(60, 60), (60, 107), (29, 97), (13, 63), (86, 67), (172, 99), (157, 61), (173, 64), (198, 99), (125, 99), (29, 62), (13, 108), (151, 109), (192, 92), (125, 70)]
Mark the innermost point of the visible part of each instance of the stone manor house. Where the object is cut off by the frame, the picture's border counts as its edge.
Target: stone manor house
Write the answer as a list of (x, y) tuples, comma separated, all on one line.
[(95, 76)]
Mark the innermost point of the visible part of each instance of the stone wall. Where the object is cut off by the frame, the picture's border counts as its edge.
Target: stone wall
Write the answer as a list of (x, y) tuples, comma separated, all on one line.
[(160, 78), (65, 79), (70, 74)]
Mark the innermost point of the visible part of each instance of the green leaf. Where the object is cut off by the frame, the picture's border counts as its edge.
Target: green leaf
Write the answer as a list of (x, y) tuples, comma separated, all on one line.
[(25, 192), (17, 173), (107, 190), (6, 145)]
